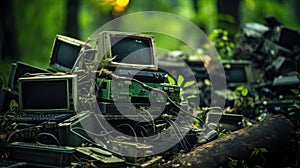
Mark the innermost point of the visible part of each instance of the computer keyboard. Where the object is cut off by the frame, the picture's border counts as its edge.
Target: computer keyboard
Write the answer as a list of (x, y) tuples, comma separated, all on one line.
[(38, 117)]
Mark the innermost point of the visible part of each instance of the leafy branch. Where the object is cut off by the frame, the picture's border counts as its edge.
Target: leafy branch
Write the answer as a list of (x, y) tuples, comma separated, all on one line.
[(221, 40)]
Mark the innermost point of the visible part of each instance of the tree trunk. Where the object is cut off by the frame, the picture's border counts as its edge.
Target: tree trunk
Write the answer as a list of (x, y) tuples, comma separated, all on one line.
[(72, 18), (294, 4), (273, 134), (228, 14), (8, 39)]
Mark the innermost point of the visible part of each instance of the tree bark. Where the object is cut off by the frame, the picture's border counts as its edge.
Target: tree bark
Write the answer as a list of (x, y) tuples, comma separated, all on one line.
[(294, 4), (8, 37), (72, 18), (228, 9), (273, 134)]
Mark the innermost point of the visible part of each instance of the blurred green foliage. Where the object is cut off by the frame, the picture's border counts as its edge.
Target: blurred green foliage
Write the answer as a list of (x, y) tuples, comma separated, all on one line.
[(223, 43), (38, 21)]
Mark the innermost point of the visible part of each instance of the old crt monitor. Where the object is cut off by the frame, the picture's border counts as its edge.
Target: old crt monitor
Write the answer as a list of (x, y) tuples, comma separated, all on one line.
[(48, 94), (19, 69), (65, 52), (131, 51), (238, 73)]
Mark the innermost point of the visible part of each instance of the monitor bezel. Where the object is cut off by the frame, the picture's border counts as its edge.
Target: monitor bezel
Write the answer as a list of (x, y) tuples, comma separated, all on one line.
[(13, 81), (238, 64), (104, 50), (66, 78), (54, 52)]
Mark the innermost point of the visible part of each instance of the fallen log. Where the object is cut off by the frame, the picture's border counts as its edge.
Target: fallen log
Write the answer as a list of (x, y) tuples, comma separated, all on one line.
[(272, 134)]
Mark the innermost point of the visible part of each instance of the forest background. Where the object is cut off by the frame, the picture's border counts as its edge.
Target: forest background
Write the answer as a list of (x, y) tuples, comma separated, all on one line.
[(28, 28)]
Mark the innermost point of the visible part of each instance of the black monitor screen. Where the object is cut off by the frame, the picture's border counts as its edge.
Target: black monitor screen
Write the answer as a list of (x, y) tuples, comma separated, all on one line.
[(67, 54), (236, 75), (131, 50), (48, 94)]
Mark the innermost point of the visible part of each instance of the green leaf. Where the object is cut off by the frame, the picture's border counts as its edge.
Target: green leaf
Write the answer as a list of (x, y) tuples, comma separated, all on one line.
[(236, 101), (189, 83), (180, 80), (233, 163), (237, 94), (291, 108), (191, 96), (196, 122), (295, 91), (285, 101), (240, 88), (296, 105), (2, 124), (244, 92), (263, 150), (292, 113), (254, 153), (171, 80), (221, 44)]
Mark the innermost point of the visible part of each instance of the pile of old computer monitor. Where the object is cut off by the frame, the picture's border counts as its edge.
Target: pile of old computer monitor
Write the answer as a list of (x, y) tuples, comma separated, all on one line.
[(53, 103), (57, 102), (57, 105), (274, 51)]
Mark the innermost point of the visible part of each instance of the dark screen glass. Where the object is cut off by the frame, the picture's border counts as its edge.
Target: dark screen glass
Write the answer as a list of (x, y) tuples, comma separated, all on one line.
[(236, 75), (45, 94), (130, 50), (67, 54)]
